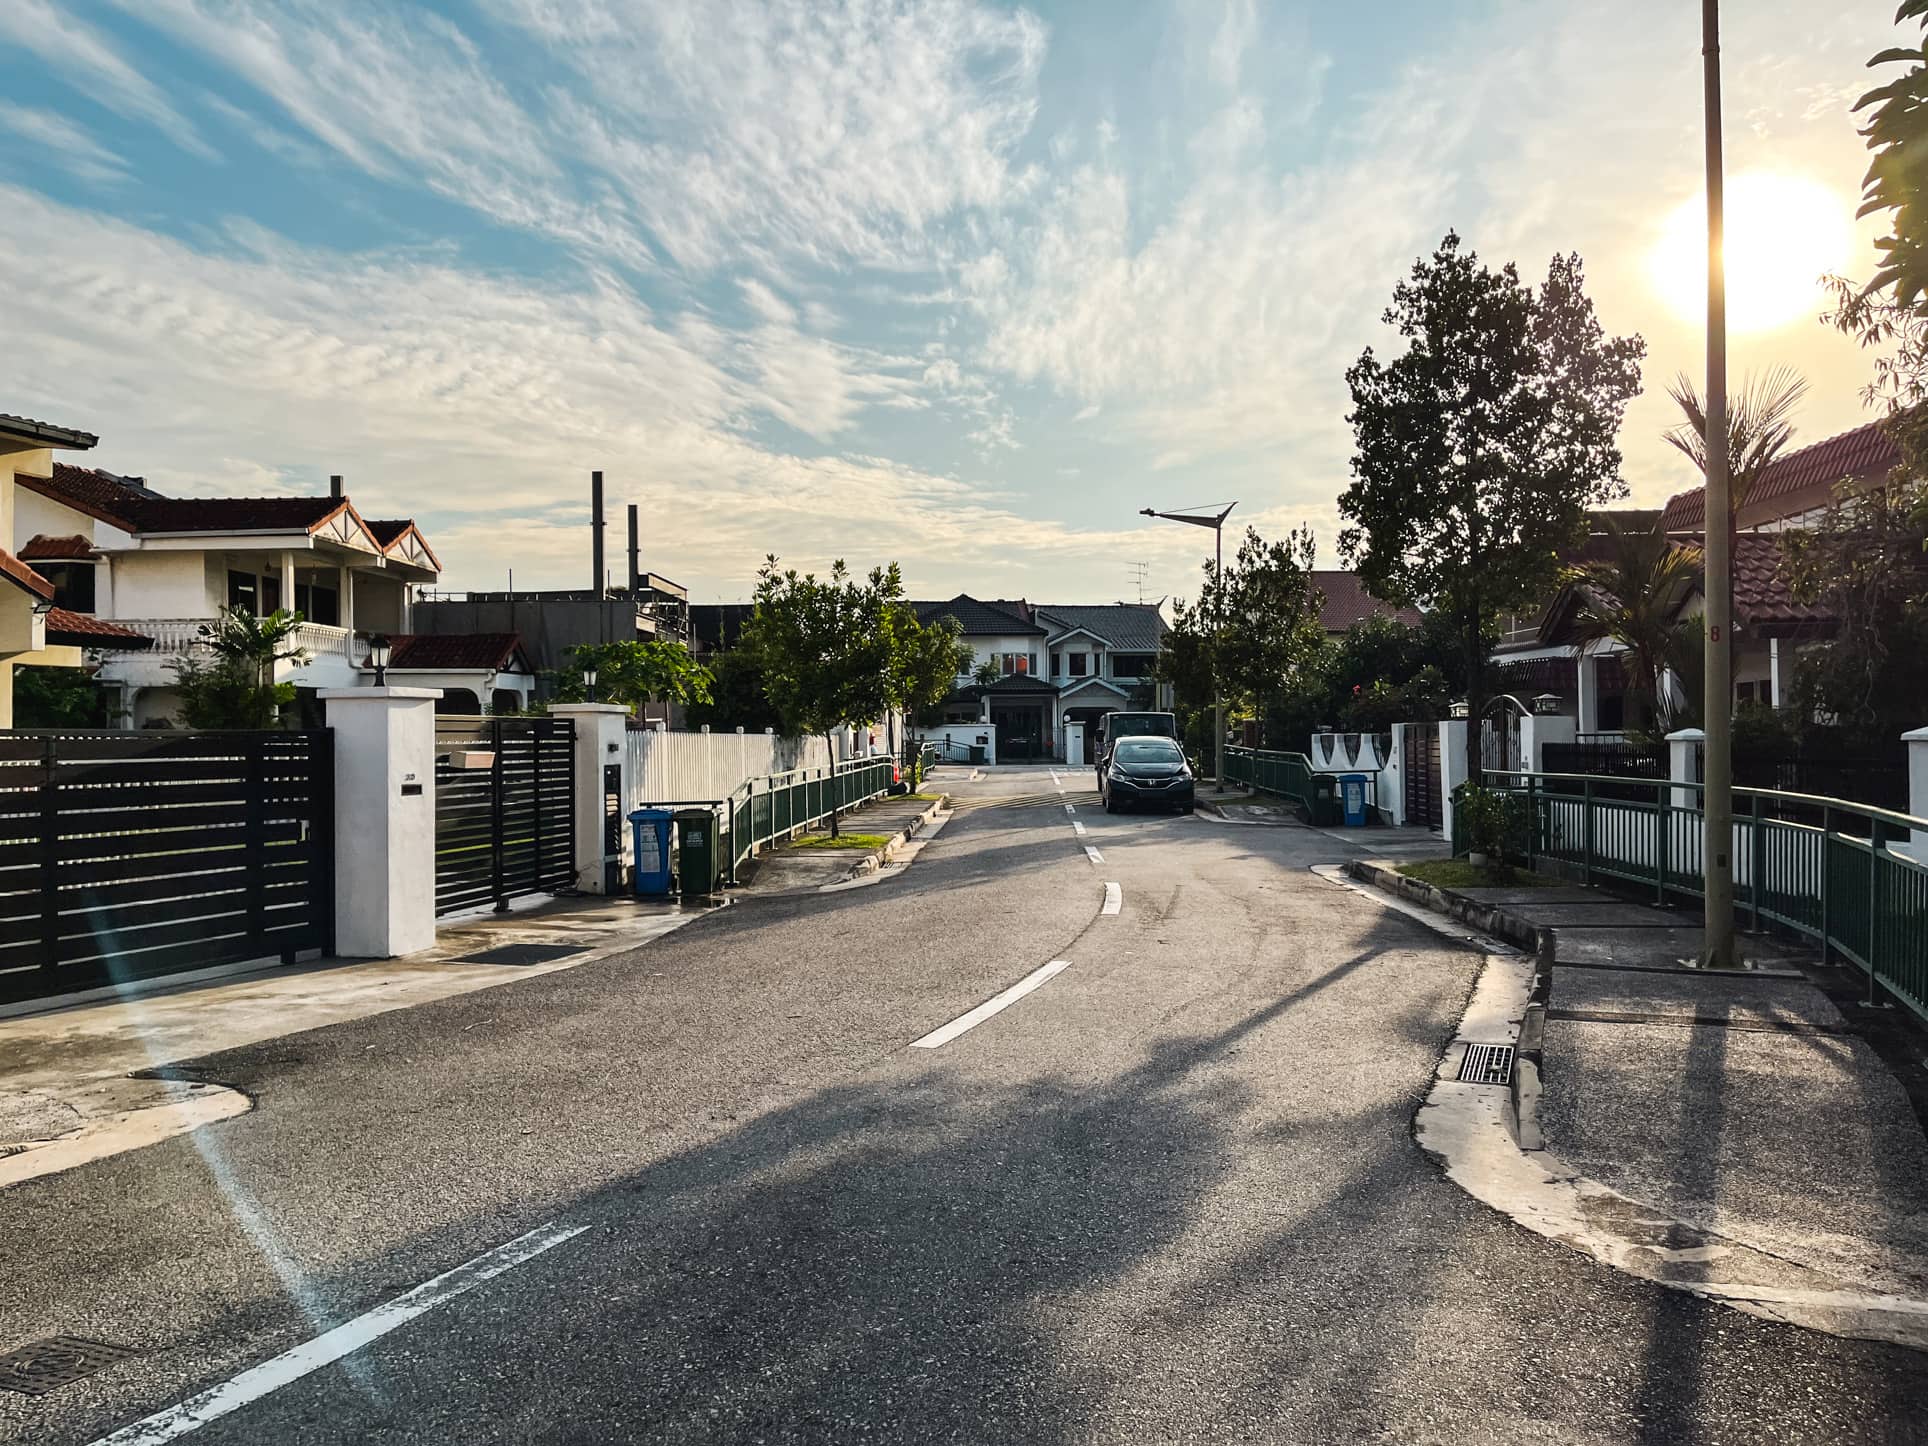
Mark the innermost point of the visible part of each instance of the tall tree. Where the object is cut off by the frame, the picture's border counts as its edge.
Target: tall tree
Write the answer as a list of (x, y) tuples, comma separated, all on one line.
[(1480, 449), (843, 650), (1629, 596), (1255, 628), (634, 672)]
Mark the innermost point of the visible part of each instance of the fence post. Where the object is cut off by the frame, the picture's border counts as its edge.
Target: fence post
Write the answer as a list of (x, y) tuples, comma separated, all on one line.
[(1683, 762), (1757, 862), (1874, 909), (384, 828), (498, 767), (1586, 830), (1917, 741), (49, 858), (601, 739), (1827, 848), (1663, 827)]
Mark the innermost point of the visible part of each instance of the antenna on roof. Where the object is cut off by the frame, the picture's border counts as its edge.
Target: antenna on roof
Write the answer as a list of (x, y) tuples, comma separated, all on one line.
[(1136, 571)]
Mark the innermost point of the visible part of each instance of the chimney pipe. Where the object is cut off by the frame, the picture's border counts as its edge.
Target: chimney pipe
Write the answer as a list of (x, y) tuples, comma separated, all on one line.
[(635, 567), (601, 583), (334, 486)]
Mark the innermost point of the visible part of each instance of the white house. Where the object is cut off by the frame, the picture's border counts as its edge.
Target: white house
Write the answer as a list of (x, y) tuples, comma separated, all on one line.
[(1056, 664), (162, 567)]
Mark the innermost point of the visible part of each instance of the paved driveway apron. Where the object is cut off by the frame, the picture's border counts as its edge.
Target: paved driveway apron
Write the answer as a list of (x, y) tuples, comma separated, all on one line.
[(1170, 1193)]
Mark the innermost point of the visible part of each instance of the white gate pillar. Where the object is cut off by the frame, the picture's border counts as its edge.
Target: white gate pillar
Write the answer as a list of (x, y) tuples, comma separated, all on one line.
[(1536, 731), (384, 744), (1683, 765), (602, 741), (1917, 741), (1452, 768)]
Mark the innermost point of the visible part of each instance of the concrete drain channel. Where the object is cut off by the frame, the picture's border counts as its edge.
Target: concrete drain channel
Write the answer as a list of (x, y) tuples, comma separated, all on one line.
[(42, 1366), (1487, 1064)]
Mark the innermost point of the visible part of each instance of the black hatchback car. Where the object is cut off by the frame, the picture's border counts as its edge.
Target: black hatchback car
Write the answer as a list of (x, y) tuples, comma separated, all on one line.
[(1146, 771)]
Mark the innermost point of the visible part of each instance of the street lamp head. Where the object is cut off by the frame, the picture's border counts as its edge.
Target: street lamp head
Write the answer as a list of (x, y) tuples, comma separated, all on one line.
[(378, 652), (1546, 703), (1460, 709)]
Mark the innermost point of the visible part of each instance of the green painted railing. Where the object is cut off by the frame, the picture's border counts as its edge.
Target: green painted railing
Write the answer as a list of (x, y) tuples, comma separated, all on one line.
[(763, 810), (1852, 878), (1271, 770)]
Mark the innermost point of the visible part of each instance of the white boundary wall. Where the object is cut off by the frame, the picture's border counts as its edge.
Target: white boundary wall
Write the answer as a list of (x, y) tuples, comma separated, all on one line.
[(666, 767)]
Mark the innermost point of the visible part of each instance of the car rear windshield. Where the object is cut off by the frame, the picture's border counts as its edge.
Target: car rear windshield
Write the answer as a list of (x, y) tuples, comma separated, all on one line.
[(1142, 725), (1148, 750)]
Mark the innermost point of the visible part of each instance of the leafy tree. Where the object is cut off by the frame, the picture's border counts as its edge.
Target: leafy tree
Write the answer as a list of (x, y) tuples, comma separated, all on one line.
[(633, 672), (1480, 449), (231, 684), (1629, 598), (842, 650), (58, 698), (930, 659), (1897, 133), (986, 673)]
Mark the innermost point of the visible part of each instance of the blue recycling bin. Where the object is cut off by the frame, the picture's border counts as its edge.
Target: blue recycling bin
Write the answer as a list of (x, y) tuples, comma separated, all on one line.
[(651, 829), (1352, 795)]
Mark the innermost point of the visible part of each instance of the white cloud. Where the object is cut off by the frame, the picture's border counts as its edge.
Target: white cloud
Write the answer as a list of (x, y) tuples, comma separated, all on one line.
[(476, 403), (77, 151), (66, 44)]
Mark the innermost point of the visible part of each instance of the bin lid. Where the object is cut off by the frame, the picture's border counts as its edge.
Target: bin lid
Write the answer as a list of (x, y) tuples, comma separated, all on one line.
[(695, 815), (647, 815)]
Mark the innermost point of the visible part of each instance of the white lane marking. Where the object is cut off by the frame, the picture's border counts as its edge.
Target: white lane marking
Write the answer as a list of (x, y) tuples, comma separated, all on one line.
[(1093, 854), (329, 1347), (1069, 809), (1114, 899), (1057, 780), (997, 1002), (1077, 828)]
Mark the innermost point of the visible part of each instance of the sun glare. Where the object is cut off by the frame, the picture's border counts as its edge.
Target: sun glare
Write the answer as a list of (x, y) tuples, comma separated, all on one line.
[(1783, 233)]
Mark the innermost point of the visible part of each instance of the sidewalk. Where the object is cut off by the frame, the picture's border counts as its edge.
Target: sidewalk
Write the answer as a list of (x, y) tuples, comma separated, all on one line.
[(803, 865), (76, 1082), (1731, 1134)]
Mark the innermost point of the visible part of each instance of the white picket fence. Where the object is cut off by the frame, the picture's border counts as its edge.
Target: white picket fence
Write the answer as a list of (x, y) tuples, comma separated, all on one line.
[(667, 767)]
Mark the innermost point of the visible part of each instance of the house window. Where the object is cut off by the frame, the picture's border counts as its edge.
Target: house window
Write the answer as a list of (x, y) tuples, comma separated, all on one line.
[(1009, 663), (73, 584), (318, 604), (1057, 665), (1131, 665), (242, 596), (1078, 663)]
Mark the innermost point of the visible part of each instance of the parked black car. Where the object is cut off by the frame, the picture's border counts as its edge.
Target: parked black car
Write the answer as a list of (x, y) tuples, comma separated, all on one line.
[(1147, 771)]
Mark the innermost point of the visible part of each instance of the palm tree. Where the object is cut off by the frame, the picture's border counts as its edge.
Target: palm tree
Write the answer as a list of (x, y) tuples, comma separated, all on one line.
[(238, 637), (1629, 598), (1758, 429)]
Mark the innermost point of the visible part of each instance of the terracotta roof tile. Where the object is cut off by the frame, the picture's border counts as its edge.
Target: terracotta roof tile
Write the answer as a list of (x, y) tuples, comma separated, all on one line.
[(48, 432), (1343, 601), (87, 631), (1862, 454), (127, 503), (453, 650), (24, 577), (42, 548)]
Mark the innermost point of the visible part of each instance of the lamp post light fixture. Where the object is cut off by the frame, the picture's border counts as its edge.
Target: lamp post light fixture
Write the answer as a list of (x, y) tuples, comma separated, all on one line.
[(589, 680), (1460, 709), (1546, 704), (378, 651), (1216, 521)]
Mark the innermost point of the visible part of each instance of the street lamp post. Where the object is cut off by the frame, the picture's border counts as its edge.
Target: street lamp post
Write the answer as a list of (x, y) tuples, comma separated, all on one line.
[(1717, 843), (1215, 521)]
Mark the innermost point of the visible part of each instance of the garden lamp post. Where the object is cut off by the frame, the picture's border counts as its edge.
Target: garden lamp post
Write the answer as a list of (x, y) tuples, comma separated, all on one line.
[(589, 680), (378, 652), (1215, 521)]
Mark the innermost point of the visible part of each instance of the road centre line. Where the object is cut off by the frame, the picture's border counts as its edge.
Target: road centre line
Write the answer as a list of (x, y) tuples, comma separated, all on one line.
[(1077, 828), (325, 1349), (996, 1003), (1114, 899), (1069, 809), (1093, 854)]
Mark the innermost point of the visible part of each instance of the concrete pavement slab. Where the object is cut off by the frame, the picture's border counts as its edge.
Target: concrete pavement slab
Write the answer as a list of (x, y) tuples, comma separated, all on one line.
[(1698, 995)]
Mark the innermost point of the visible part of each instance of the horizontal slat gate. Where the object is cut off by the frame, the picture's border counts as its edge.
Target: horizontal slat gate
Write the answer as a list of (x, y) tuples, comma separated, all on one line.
[(506, 829), (129, 855)]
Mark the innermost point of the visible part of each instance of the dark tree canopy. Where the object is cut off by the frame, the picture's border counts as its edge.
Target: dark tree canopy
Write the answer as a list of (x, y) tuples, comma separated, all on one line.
[(1481, 447)]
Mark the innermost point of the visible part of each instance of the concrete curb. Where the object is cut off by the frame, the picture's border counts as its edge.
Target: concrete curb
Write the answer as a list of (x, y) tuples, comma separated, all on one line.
[(877, 858)]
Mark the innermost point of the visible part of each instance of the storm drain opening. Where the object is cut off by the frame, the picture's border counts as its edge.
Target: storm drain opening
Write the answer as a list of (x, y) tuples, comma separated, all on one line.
[(42, 1366), (1488, 1064), (523, 954)]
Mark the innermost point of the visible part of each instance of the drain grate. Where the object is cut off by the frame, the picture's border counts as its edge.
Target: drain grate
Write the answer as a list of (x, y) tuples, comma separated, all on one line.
[(1489, 1064), (523, 954), (42, 1366)]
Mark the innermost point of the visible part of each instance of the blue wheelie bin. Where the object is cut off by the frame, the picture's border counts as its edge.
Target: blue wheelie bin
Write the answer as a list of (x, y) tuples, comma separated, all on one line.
[(1352, 793), (651, 830)]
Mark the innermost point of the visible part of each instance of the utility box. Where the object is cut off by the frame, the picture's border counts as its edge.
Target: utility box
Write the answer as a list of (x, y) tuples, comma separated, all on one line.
[(1352, 797), (1325, 801), (696, 852), (651, 830)]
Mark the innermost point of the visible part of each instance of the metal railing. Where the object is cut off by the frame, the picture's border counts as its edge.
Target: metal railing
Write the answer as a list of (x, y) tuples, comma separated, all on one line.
[(183, 635), (1852, 877), (1271, 770)]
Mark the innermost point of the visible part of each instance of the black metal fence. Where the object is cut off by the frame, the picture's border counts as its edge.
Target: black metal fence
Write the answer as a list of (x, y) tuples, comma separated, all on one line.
[(129, 855), (505, 819), (1608, 756)]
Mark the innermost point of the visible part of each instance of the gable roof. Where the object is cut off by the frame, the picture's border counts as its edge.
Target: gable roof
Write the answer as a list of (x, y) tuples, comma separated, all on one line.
[(1125, 627), (46, 433), (1110, 685), (1343, 601), (454, 651), (391, 534), (129, 504), (1764, 601), (102, 496), (1861, 455), (981, 619), (42, 548)]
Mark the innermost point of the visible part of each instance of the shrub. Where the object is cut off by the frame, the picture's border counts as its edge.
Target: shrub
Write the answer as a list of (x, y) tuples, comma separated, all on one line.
[(1491, 821)]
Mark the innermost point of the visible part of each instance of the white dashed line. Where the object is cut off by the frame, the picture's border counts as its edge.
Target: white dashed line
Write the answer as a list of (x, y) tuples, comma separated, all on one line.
[(1114, 899), (1069, 809), (997, 1002), (329, 1347), (1093, 854), (1078, 828)]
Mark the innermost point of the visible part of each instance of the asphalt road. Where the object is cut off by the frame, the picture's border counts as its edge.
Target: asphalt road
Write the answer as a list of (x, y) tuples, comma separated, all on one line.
[(1171, 1194)]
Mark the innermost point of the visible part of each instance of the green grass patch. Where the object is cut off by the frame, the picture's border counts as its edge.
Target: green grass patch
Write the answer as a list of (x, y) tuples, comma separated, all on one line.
[(1458, 874), (925, 797), (842, 841)]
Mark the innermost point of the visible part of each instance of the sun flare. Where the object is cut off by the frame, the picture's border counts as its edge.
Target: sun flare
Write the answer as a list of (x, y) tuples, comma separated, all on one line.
[(1783, 233)]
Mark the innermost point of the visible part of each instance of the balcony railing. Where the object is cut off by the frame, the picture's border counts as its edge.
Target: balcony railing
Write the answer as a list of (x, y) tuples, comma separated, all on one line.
[(180, 636)]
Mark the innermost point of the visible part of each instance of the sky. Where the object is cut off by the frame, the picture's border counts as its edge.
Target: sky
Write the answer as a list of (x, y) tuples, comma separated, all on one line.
[(957, 283)]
